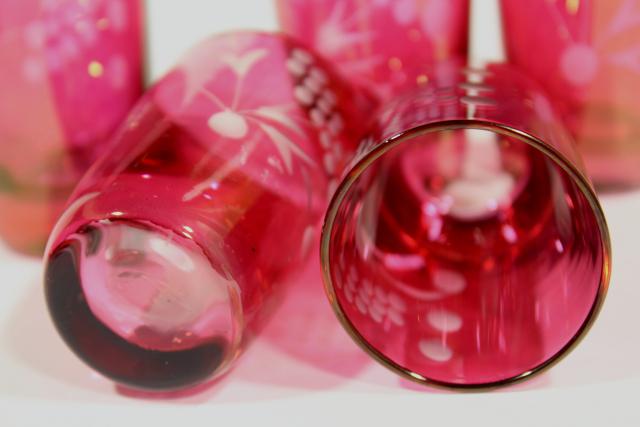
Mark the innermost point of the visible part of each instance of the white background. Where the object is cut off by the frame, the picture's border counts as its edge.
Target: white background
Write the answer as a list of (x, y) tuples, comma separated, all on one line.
[(307, 372)]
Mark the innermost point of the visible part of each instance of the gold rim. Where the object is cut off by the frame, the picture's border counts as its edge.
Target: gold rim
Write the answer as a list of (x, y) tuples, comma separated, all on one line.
[(577, 177)]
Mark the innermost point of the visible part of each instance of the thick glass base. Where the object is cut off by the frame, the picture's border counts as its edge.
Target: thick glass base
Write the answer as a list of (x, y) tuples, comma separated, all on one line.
[(141, 305)]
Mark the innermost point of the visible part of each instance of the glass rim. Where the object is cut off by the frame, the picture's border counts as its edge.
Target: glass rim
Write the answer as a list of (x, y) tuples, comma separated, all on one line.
[(577, 177)]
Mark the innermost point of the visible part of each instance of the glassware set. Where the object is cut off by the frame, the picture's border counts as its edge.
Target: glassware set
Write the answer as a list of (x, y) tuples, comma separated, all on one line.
[(462, 245)]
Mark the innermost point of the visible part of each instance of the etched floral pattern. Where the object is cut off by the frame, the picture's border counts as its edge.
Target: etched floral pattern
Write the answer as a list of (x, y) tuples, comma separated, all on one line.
[(67, 31), (383, 44), (232, 122), (590, 65), (96, 44), (276, 109), (582, 58), (313, 92), (339, 33), (231, 119)]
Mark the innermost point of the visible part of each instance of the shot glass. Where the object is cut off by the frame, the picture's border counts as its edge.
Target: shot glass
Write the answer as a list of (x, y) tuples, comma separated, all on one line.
[(173, 248), (590, 65), (465, 246), (386, 45), (70, 72)]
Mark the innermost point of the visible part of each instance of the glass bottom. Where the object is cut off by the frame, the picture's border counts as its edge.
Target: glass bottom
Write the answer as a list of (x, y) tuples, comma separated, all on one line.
[(142, 306)]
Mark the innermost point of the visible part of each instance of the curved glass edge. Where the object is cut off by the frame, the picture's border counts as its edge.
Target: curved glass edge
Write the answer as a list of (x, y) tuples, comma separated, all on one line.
[(583, 183)]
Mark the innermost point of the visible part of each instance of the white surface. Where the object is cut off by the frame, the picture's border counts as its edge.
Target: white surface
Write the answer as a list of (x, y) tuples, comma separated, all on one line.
[(313, 374)]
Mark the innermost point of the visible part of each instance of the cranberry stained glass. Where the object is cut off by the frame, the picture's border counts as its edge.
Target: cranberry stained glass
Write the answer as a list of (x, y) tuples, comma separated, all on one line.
[(590, 64), (70, 72), (174, 245), (386, 45), (465, 247)]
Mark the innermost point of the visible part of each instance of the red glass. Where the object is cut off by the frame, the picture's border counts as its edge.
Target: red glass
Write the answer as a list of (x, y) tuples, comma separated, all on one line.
[(590, 65), (174, 245), (465, 247), (70, 72), (386, 45)]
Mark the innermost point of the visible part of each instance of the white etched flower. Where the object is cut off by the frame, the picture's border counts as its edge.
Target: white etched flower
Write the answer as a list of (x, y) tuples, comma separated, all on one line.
[(340, 33), (233, 119), (582, 58)]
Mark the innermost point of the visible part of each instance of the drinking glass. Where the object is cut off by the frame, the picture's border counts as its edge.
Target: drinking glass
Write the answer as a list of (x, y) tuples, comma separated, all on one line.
[(175, 245), (465, 246)]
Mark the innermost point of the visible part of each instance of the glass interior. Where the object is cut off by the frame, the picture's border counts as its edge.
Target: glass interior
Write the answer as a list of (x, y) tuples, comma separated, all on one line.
[(142, 304), (465, 256)]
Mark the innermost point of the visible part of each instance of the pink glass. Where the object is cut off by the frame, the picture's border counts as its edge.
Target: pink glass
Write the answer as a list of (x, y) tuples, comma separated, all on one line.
[(174, 245), (587, 55), (386, 45), (465, 247), (70, 72)]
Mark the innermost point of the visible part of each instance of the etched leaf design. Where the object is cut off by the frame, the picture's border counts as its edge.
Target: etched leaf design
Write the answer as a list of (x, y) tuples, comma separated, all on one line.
[(276, 114), (197, 74), (199, 69), (242, 64), (285, 146), (335, 35)]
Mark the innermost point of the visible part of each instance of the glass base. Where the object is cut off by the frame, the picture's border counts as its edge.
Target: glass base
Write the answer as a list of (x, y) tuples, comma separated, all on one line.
[(142, 305)]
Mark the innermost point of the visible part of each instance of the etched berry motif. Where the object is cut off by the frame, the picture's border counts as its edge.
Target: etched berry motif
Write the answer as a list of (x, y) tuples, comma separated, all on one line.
[(386, 308), (313, 92)]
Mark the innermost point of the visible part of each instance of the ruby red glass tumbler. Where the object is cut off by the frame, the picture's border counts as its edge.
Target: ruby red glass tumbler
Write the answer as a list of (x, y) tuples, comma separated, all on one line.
[(587, 56), (465, 247), (385, 45), (174, 245), (70, 72)]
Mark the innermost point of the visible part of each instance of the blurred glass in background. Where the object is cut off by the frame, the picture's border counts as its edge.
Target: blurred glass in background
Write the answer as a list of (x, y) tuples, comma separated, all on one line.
[(70, 71)]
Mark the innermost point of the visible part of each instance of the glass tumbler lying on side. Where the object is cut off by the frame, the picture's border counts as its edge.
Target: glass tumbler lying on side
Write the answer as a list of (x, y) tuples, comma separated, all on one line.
[(174, 244), (385, 45), (590, 64), (465, 247), (70, 72)]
